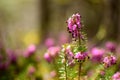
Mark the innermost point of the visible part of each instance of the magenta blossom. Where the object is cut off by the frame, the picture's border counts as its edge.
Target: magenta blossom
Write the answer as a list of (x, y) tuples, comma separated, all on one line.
[(110, 46), (47, 57), (49, 42), (109, 60), (116, 76), (70, 57), (31, 70), (74, 22), (53, 51), (12, 57), (74, 25), (80, 56), (97, 54), (53, 73), (102, 72), (30, 50)]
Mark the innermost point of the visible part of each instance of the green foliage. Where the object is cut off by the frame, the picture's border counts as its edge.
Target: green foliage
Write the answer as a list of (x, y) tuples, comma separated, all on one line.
[(64, 69), (22, 75)]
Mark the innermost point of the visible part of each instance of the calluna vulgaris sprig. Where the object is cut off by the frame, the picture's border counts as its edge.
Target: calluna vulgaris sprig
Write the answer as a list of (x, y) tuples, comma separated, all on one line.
[(74, 53), (68, 61)]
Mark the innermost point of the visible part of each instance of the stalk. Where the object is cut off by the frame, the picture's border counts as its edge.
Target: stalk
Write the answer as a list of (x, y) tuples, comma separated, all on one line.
[(80, 64), (65, 69)]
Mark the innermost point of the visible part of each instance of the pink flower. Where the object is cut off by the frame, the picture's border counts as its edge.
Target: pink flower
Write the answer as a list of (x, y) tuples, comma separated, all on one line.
[(116, 76), (109, 60), (31, 70), (53, 51), (74, 24), (110, 46), (30, 50), (80, 56), (71, 62), (97, 54), (53, 73), (12, 57), (70, 58), (71, 54), (102, 72), (49, 42), (47, 57)]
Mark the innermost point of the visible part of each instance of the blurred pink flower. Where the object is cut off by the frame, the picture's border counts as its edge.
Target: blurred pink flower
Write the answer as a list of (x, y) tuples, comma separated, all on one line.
[(49, 42), (81, 55), (71, 62), (12, 57), (110, 46), (71, 54), (53, 73), (116, 76), (109, 60), (30, 50), (70, 58), (97, 54), (47, 57), (102, 72), (31, 70), (53, 51)]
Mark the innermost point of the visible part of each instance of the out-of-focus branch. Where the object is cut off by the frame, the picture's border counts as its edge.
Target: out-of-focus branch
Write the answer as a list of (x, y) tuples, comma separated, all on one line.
[(44, 17)]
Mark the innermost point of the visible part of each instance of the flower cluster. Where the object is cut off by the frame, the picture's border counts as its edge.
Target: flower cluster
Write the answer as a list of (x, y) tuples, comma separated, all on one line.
[(51, 53), (31, 70), (29, 51), (109, 60), (11, 55), (81, 56), (72, 57), (68, 55), (116, 76), (111, 46), (97, 54), (49, 42), (74, 25)]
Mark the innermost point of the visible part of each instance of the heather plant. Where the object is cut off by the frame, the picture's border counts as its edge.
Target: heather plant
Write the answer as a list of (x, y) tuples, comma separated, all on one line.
[(68, 60), (106, 64), (74, 54), (74, 61)]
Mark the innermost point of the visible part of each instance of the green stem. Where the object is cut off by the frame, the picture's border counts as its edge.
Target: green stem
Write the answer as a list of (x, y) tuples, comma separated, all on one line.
[(65, 68), (80, 66)]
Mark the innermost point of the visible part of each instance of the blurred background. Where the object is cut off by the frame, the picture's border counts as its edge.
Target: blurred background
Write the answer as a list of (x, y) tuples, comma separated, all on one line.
[(26, 22), (23, 22)]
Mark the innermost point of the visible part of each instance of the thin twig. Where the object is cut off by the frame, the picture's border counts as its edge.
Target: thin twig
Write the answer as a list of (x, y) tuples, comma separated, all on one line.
[(65, 68), (80, 66)]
